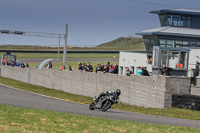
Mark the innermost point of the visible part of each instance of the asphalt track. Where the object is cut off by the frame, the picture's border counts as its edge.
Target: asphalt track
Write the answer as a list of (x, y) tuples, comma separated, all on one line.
[(19, 98)]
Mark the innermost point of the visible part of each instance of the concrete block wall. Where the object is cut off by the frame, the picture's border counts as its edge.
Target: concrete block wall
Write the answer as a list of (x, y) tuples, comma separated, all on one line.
[(154, 91)]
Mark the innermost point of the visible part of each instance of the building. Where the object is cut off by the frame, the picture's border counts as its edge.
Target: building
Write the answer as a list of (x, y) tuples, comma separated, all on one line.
[(180, 27)]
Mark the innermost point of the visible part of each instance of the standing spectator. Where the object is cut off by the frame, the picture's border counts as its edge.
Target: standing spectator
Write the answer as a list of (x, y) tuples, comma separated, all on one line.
[(22, 65), (80, 66), (4, 61), (102, 67), (115, 70), (111, 69), (106, 69), (98, 68), (139, 71), (63, 67), (27, 65), (18, 64), (165, 70), (108, 64), (50, 65), (70, 67), (128, 72), (145, 72), (90, 68), (12, 64)]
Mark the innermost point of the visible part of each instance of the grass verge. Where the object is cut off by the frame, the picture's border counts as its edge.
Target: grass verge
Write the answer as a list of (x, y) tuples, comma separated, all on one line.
[(169, 112), (23, 120), (69, 55)]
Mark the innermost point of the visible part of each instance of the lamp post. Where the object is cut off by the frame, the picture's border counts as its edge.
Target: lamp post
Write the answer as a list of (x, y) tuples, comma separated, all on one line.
[(65, 46)]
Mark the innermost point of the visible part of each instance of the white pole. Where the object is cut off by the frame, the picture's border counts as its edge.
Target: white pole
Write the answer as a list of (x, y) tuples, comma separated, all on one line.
[(58, 52), (65, 47)]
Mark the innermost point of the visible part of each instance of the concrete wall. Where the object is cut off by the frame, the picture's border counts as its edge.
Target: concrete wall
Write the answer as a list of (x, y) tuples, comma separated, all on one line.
[(155, 91)]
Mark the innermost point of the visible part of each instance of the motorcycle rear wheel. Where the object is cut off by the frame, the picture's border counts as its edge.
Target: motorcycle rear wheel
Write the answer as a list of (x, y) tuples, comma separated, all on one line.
[(91, 107), (106, 105)]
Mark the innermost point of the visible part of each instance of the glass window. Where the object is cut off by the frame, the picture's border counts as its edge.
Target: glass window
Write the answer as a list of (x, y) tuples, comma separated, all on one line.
[(193, 44), (149, 43), (183, 60), (167, 43), (179, 21), (164, 54), (173, 58), (185, 43), (163, 20), (198, 44)]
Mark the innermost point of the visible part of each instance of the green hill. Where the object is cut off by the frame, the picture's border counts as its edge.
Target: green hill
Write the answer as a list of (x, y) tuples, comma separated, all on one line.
[(124, 43)]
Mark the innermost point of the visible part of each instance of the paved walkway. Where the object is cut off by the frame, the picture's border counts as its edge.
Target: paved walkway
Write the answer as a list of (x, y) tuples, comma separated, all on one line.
[(15, 97)]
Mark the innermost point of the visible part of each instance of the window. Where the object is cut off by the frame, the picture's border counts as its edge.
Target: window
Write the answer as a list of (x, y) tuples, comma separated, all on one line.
[(173, 58), (132, 69), (175, 20), (198, 44), (121, 70), (193, 44), (166, 43), (164, 54), (163, 20)]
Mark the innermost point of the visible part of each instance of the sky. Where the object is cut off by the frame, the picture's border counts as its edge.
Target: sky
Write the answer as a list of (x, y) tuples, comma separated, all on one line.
[(90, 22)]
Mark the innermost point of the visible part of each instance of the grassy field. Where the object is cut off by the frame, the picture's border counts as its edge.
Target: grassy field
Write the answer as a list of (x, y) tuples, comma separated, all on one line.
[(169, 112), (24, 120), (69, 55)]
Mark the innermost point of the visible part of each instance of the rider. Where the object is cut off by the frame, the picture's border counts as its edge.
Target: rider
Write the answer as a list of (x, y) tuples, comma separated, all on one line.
[(115, 94)]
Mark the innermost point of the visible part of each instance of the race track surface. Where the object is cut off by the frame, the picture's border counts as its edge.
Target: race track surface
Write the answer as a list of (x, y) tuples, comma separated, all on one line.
[(19, 98)]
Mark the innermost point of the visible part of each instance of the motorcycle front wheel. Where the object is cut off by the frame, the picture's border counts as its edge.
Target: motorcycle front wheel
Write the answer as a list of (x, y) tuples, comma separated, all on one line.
[(106, 105), (91, 107)]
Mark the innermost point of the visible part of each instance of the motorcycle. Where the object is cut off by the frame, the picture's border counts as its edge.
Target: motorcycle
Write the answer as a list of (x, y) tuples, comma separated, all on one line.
[(104, 102)]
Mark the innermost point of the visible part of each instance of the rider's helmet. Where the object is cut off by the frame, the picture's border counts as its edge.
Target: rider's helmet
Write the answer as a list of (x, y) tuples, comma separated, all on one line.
[(118, 92)]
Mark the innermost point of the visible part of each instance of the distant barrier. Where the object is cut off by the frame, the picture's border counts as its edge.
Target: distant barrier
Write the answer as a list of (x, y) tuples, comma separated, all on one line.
[(155, 91)]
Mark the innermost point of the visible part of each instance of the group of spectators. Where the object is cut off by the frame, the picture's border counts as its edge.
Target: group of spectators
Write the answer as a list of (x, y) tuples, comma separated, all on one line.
[(139, 71), (18, 64), (108, 68)]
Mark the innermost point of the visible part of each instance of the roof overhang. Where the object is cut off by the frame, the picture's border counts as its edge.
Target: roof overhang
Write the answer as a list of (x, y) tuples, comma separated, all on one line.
[(172, 31)]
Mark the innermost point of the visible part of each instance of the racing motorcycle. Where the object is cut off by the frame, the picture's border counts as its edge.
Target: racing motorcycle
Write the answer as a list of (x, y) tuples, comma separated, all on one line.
[(105, 101)]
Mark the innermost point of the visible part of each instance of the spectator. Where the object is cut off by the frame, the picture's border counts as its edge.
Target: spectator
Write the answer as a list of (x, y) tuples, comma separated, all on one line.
[(144, 72), (63, 67), (27, 65), (165, 70), (108, 64), (50, 65), (106, 69), (70, 67), (12, 64), (115, 70), (139, 71), (128, 72), (22, 65), (4, 61), (111, 69), (80, 66), (90, 68), (102, 67), (18, 64), (180, 65), (85, 68), (98, 68)]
